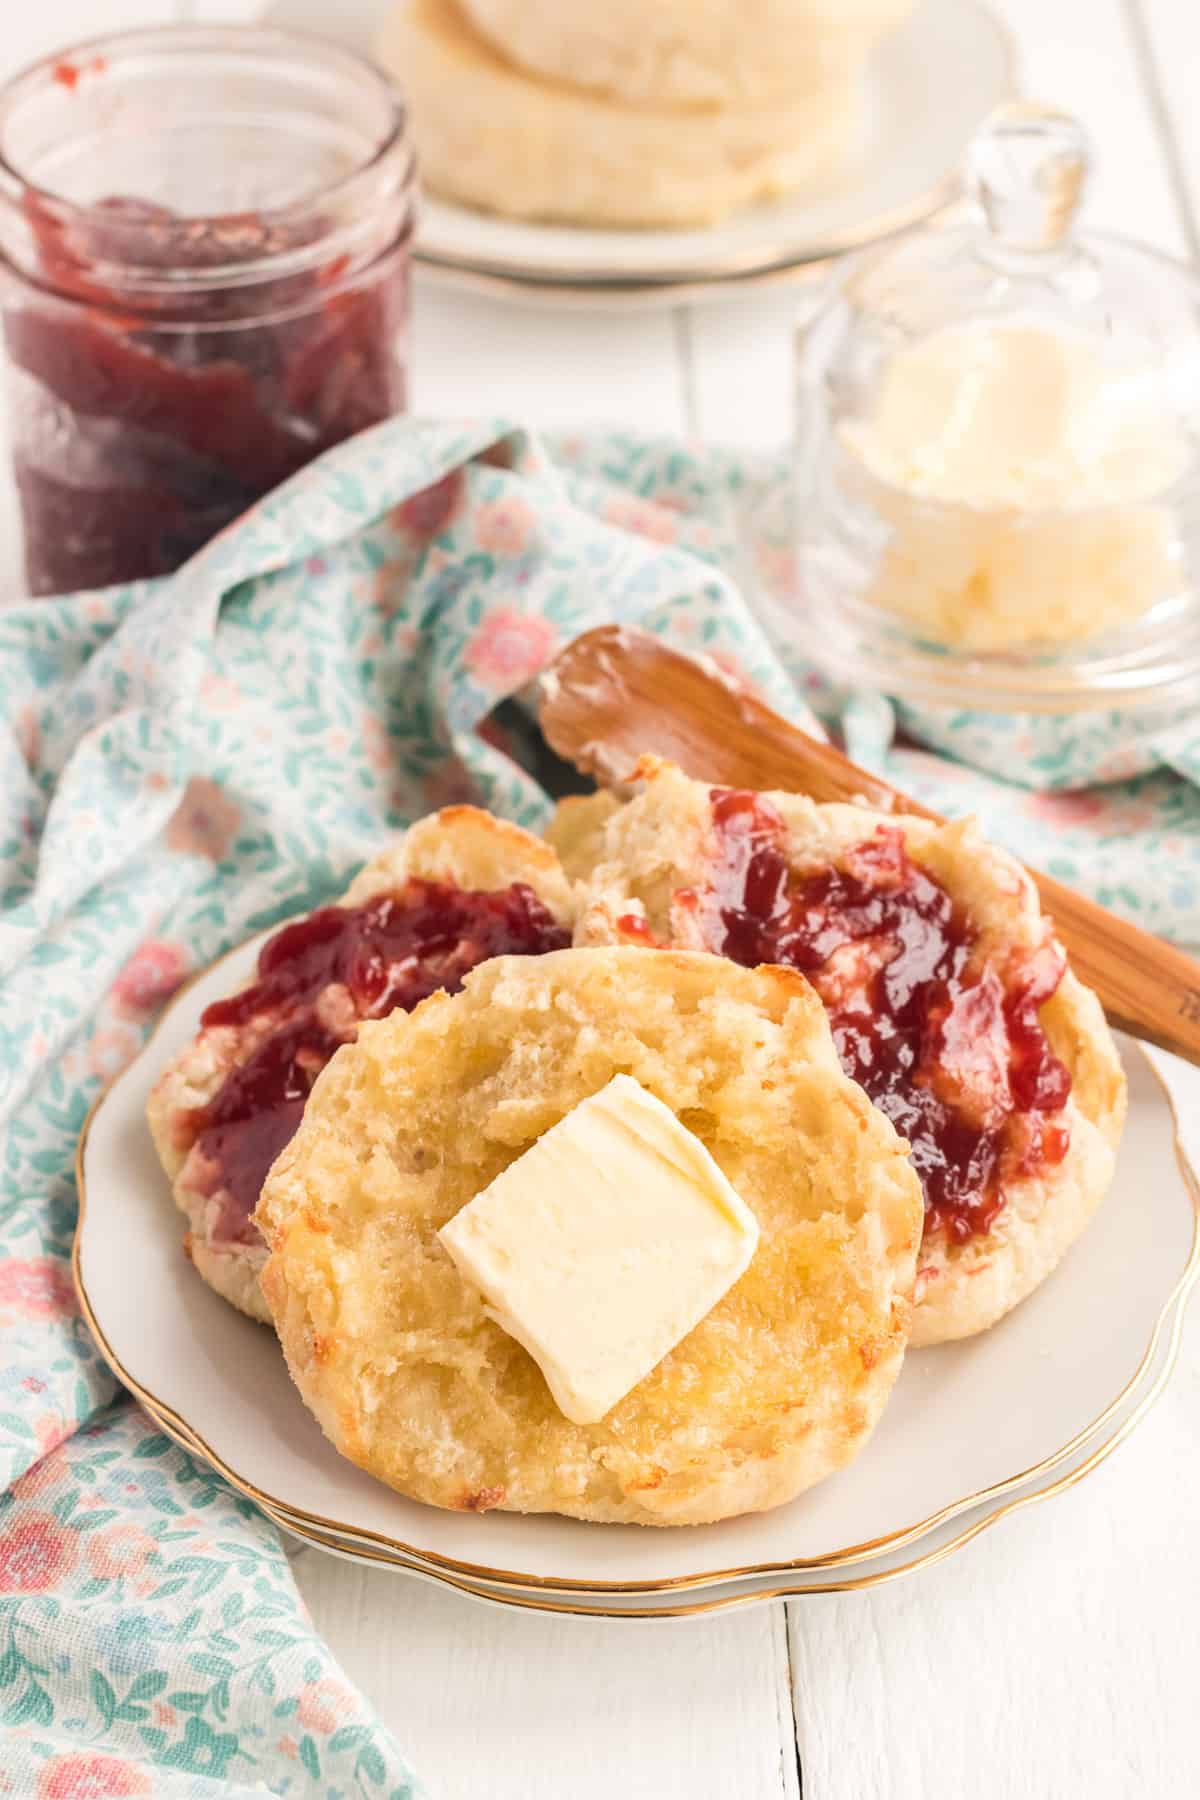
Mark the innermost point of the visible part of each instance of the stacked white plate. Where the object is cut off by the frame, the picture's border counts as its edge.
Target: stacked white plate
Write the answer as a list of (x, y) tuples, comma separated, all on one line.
[(930, 84), (974, 1431)]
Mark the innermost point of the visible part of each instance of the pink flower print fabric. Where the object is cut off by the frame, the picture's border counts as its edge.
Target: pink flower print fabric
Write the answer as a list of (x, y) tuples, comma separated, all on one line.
[(185, 762)]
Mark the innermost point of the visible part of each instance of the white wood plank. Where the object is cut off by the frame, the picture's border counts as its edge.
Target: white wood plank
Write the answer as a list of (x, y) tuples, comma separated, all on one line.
[(526, 1708), (1057, 1655), (742, 374), (239, 12), (565, 370), (1083, 55), (476, 356), (1080, 54), (1171, 71), (33, 31)]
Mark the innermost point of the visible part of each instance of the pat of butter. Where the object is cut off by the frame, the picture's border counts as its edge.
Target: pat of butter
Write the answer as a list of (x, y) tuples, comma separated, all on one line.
[(1021, 470), (604, 1245), (1020, 415)]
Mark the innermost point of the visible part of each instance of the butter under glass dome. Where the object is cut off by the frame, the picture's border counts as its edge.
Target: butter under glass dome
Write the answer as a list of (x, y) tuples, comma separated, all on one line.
[(998, 500)]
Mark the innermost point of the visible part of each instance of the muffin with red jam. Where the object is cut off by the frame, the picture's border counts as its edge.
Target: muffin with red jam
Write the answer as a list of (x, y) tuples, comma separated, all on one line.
[(457, 889), (950, 999)]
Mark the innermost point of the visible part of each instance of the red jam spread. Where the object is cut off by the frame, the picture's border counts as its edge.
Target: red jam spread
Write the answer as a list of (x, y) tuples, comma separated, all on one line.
[(949, 1047), (317, 979), (138, 435)]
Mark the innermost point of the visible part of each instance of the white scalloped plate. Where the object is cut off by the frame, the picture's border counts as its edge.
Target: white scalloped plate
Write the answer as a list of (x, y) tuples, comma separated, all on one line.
[(931, 84), (967, 1422), (720, 1596)]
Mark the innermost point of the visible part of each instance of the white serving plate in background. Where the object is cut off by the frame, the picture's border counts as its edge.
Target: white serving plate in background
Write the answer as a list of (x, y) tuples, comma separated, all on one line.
[(931, 83)]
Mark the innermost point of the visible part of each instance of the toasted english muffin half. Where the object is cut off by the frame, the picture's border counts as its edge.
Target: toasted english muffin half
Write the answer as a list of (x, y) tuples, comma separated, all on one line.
[(949, 997), (396, 1353)]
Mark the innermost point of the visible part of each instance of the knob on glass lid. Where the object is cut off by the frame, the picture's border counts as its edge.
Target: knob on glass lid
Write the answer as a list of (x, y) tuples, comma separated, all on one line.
[(1026, 170), (997, 449)]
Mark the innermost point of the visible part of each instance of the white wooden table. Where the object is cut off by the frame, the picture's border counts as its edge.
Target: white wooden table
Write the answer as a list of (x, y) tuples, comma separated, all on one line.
[(1060, 1654)]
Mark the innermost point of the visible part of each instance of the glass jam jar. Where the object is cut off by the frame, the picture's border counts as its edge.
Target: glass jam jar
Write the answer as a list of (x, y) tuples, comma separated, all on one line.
[(204, 247), (997, 452)]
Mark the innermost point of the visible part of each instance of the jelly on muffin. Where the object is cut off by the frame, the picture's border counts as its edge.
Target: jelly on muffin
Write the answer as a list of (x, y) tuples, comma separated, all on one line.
[(458, 889), (950, 1001)]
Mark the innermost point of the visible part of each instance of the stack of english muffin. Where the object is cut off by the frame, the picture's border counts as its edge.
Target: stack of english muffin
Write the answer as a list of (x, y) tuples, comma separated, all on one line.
[(675, 113)]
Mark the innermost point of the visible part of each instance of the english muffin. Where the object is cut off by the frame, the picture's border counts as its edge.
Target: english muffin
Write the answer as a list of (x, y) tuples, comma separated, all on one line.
[(460, 886), (407, 1370), (950, 1001), (493, 136), (693, 53)]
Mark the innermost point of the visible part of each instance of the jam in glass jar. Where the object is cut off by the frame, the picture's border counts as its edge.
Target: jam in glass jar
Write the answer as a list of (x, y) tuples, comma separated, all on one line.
[(204, 243)]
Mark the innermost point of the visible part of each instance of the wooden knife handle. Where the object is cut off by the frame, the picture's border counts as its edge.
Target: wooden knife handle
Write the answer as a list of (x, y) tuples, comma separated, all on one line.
[(615, 694)]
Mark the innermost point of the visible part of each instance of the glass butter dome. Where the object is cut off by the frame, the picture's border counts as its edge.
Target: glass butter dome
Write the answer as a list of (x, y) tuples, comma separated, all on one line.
[(999, 502)]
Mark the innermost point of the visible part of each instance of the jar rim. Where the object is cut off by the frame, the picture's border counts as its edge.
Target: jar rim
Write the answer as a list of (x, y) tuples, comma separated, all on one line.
[(263, 44)]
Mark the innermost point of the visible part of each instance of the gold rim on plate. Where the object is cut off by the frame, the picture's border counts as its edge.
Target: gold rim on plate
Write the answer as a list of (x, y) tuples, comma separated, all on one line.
[(499, 1596), (752, 1597), (844, 1585), (612, 297), (305, 1523), (734, 274), (605, 294), (349, 1544)]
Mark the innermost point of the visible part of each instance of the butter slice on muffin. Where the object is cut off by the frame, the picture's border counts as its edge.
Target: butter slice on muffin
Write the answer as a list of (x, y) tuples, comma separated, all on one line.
[(402, 1361)]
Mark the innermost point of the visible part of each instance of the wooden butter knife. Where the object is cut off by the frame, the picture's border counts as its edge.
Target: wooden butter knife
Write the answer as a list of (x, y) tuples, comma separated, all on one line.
[(615, 694)]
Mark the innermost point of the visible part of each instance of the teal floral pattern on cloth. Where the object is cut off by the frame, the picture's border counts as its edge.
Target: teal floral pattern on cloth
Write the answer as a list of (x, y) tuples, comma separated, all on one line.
[(182, 763), (152, 1641), (185, 762)]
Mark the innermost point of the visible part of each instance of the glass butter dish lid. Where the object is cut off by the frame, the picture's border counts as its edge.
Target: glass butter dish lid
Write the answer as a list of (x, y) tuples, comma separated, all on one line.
[(997, 451)]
